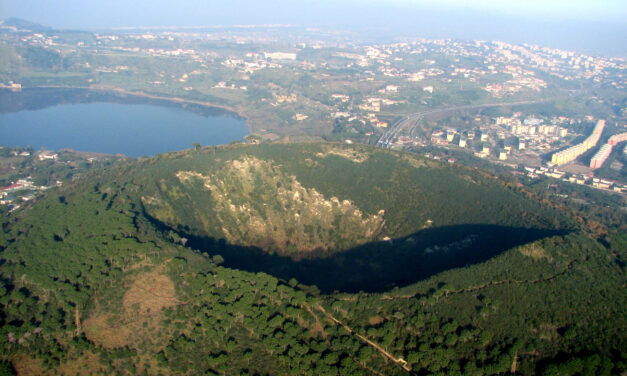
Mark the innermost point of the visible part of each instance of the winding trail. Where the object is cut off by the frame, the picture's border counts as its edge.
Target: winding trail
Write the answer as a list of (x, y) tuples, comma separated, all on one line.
[(509, 281), (487, 284), (398, 361), (318, 326)]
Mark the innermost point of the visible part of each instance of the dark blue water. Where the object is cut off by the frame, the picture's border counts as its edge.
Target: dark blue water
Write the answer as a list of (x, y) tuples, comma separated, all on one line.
[(131, 129)]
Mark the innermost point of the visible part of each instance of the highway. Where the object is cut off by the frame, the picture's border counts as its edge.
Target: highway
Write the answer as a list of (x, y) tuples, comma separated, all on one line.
[(413, 119)]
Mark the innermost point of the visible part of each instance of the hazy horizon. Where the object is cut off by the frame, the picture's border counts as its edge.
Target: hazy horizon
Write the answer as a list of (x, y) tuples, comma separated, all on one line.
[(594, 28)]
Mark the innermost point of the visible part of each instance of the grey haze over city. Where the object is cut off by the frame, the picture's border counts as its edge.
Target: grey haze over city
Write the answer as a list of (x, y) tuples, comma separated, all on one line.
[(592, 27)]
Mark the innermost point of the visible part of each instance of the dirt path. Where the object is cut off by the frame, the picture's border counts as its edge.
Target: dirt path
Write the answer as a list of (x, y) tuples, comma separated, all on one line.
[(398, 361), (318, 328), (491, 283)]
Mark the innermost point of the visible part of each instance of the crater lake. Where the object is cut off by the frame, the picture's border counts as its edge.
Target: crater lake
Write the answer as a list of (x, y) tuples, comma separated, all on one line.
[(112, 124)]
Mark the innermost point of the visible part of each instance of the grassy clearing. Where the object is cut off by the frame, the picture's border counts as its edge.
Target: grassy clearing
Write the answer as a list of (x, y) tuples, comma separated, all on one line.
[(140, 315)]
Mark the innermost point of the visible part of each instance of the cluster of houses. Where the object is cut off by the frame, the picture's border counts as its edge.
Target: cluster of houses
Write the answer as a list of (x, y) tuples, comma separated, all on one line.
[(581, 179), (17, 192), (24, 189)]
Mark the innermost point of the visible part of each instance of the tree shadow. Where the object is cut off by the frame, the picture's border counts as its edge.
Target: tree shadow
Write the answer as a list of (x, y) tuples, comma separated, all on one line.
[(377, 266)]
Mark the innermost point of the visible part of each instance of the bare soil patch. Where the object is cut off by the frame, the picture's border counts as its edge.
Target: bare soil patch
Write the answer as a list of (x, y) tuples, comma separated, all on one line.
[(27, 366), (140, 314)]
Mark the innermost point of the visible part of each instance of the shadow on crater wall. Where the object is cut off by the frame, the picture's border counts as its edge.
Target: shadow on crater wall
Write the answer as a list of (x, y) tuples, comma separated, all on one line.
[(378, 266)]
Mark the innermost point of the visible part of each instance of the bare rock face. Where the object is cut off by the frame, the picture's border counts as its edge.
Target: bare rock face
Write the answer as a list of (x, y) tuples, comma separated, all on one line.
[(315, 200), (257, 204)]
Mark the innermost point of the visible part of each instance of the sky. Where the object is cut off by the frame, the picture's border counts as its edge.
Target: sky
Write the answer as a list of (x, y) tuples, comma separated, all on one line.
[(585, 25), (598, 10)]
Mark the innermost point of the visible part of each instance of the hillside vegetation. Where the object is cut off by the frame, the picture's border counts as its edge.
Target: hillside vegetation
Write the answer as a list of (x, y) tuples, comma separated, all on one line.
[(226, 261), (295, 199)]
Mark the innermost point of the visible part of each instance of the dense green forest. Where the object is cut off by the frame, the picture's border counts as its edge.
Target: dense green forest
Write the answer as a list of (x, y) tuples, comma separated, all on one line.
[(392, 265)]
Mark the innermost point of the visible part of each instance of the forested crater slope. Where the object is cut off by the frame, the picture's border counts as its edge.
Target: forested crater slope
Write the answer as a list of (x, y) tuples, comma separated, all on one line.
[(317, 199), (321, 259)]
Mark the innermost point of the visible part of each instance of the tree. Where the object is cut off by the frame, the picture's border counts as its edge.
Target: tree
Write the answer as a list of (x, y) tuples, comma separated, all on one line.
[(217, 259)]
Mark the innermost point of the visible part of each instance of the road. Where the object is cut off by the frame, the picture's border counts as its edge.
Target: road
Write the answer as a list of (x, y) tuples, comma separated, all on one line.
[(393, 132)]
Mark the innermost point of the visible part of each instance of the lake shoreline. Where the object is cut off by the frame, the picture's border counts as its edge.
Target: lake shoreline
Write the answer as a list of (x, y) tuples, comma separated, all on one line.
[(112, 122), (117, 92)]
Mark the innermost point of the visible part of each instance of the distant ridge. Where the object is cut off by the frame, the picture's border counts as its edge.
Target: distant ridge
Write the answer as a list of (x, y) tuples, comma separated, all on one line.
[(24, 24)]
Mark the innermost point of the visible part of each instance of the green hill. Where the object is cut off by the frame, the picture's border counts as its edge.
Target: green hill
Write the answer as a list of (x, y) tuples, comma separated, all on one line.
[(349, 211), (324, 198), (307, 259)]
